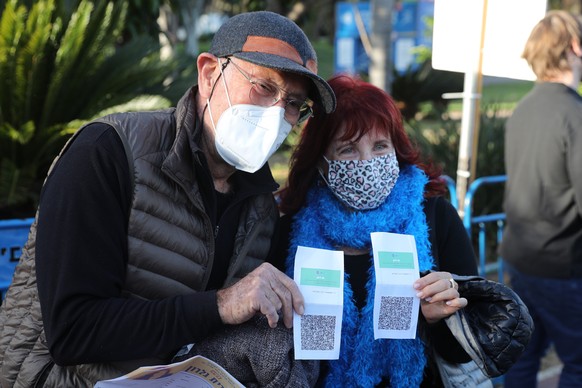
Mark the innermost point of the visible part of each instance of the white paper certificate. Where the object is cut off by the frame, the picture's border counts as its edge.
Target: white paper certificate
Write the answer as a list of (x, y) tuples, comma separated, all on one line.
[(396, 305), (319, 273)]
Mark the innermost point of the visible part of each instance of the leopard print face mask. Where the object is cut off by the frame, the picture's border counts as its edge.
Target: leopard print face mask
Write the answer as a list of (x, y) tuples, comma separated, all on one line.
[(362, 184)]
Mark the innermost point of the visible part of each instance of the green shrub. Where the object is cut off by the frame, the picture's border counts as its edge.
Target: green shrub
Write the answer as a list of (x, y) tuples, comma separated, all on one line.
[(58, 70)]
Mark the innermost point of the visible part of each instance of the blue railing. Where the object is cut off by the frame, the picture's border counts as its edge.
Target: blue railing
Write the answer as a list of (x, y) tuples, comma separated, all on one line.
[(452, 187), (481, 222)]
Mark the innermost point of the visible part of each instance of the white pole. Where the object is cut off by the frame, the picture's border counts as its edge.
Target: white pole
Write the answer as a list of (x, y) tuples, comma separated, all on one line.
[(471, 96)]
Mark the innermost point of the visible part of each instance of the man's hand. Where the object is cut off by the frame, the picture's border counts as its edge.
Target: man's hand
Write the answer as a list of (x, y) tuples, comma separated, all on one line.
[(267, 291)]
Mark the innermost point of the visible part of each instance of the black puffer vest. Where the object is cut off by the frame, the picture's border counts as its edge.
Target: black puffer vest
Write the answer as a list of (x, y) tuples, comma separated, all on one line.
[(167, 221)]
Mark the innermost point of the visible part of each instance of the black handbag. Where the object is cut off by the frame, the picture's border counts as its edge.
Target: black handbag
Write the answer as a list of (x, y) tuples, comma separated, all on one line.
[(494, 328)]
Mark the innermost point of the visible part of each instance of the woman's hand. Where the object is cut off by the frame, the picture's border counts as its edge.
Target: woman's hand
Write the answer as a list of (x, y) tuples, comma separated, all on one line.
[(438, 295)]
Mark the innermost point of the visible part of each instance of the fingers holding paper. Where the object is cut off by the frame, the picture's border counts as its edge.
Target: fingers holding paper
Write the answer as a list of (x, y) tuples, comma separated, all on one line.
[(265, 291), (439, 296)]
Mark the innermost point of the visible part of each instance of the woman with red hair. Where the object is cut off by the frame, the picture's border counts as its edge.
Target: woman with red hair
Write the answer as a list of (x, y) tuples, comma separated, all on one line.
[(354, 172)]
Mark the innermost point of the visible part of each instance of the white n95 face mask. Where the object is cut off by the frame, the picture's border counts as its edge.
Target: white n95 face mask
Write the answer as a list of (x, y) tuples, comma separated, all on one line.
[(246, 136)]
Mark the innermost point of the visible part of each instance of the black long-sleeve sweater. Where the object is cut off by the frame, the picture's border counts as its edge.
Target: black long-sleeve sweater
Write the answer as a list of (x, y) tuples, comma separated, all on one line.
[(543, 193)]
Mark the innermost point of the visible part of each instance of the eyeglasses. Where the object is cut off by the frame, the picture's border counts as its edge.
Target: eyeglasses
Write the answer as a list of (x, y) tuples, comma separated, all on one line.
[(263, 93)]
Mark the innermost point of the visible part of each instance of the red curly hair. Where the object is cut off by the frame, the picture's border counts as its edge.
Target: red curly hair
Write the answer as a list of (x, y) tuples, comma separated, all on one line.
[(361, 107)]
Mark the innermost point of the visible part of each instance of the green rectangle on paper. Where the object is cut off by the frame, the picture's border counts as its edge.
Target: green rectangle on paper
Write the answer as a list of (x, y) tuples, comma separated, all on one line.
[(320, 277), (401, 260)]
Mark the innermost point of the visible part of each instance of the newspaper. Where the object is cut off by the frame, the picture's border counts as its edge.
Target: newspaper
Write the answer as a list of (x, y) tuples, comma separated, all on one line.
[(195, 372)]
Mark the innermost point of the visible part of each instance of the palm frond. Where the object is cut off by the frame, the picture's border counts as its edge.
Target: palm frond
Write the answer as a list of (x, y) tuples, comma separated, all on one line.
[(66, 56), (33, 59), (11, 32)]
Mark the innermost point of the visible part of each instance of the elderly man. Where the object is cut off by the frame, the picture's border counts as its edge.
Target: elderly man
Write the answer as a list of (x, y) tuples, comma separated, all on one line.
[(153, 228)]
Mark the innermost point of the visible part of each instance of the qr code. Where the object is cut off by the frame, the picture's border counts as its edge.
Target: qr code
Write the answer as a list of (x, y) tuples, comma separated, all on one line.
[(317, 332), (395, 313)]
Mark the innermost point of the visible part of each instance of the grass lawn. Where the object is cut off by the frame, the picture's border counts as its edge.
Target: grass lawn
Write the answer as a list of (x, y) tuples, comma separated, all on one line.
[(509, 91), (504, 94)]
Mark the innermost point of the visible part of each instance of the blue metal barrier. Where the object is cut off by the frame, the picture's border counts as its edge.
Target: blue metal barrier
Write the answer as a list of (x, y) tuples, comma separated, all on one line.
[(469, 220), (452, 187), (13, 235)]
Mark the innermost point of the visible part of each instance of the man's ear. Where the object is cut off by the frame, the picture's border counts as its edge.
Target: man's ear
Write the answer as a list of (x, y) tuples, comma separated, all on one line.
[(207, 73)]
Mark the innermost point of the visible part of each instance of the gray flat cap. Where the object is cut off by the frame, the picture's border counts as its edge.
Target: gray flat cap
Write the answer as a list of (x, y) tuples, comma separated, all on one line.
[(274, 41)]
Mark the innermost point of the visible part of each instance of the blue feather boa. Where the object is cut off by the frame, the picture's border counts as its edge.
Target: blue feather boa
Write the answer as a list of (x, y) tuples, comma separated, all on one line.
[(325, 223)]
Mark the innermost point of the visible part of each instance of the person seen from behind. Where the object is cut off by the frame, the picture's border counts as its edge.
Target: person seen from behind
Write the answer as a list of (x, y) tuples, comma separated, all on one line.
[(542, 241)]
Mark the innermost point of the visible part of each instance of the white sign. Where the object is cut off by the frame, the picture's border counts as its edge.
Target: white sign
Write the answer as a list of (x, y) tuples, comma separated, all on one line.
[(508, 24)]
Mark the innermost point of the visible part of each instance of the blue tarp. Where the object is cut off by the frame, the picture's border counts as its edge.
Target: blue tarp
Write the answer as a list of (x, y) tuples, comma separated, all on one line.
[(13, 235)]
